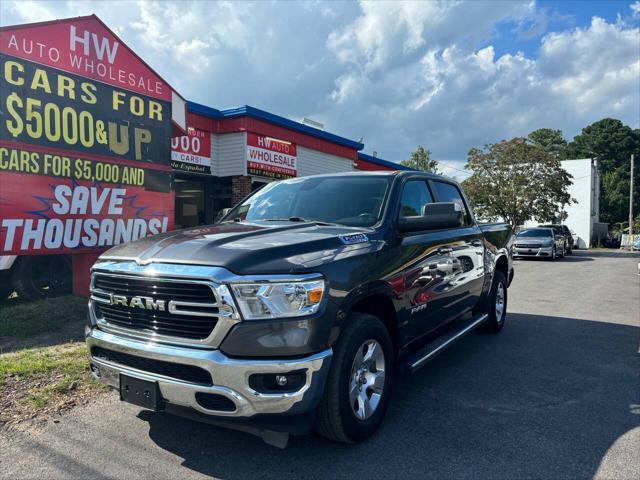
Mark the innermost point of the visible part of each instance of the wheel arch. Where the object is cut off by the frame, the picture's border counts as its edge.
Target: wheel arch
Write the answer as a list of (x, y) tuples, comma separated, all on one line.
[(376, 299)]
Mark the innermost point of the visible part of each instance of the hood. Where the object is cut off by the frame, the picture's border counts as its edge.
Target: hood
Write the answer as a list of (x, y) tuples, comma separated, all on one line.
[(249, 248)]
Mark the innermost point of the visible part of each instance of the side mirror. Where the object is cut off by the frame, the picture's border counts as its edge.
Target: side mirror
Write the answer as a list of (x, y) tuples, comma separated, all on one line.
[(434, 216), (221, 214)]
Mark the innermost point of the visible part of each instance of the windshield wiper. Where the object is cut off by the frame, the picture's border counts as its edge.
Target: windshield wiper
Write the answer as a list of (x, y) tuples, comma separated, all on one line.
[(299, 219)]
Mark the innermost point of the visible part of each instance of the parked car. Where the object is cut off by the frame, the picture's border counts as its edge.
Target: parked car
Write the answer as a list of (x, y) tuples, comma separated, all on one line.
[(539, 242), (569, 243), (636, 244), (296, 309)]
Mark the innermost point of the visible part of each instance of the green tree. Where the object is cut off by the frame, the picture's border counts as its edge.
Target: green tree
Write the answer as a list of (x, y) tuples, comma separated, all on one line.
[(421, 160), (611, 143), (549, 140), (516, 181)]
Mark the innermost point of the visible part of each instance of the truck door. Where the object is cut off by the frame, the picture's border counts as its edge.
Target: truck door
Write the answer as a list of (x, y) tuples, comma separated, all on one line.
[(425, 263), (443, 269), (465, 246)]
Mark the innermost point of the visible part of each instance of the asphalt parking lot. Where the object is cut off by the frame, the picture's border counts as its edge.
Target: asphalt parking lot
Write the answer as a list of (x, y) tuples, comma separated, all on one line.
[(555, 395)]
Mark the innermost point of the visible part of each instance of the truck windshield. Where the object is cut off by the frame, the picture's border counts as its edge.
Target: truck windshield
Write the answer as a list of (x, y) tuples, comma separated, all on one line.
[(348, 200), (543, 232)]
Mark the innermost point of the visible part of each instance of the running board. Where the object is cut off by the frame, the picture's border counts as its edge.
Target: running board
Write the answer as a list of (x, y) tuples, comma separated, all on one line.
[(426, 353)]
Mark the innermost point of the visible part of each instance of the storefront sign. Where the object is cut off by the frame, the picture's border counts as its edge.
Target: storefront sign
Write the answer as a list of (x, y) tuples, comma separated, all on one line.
[(270, 157), (192, 152), (44, 106), (53, 203), (85, 47), (84, 140)]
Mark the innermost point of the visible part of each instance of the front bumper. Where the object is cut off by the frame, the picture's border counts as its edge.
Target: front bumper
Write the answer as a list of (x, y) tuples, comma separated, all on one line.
[(533, 252), (230, 376)]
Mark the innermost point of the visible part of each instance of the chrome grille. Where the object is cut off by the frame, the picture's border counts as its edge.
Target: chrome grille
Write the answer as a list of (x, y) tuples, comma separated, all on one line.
[(191, 307)]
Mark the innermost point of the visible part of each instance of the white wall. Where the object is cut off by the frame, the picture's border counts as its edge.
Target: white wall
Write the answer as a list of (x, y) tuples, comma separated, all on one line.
[(229, 152), (313, 162), (581, 216), (586, 190)]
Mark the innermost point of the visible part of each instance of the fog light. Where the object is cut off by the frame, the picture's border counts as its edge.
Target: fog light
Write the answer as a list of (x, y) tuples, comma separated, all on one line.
[(278, 382)]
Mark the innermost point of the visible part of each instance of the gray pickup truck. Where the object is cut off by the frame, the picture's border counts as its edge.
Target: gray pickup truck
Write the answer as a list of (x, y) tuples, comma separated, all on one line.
[(298, 309)]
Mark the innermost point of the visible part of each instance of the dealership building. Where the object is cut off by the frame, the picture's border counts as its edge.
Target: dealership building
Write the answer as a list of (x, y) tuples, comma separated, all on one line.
[(241, 149)]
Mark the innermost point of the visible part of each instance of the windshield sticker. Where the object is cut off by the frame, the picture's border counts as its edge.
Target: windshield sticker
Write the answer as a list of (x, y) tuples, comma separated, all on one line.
[(354, 238)]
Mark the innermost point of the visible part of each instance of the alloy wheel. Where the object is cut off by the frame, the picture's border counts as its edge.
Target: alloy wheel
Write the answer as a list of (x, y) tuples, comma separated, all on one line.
[(366, 382), (500, 303)]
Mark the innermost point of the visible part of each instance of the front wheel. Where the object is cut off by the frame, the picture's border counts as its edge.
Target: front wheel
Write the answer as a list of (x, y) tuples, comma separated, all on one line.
[(554, 254), (359, 384), (42, 276)]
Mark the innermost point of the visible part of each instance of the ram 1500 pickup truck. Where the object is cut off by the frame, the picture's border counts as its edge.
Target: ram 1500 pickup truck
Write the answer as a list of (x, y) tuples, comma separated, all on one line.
[(298, 308)]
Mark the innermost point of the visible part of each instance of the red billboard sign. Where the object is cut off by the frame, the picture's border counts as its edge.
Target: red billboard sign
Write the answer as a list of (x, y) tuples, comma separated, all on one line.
[(84, 140), (85, 47), (51, 203), (271, 157), (192, 152)]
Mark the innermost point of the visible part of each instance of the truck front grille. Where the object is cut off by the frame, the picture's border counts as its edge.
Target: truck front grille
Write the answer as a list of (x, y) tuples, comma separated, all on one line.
[(181, 309)]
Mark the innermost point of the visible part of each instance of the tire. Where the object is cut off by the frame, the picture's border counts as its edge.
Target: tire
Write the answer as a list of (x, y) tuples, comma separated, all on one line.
[(497, 315), (6, 288), (42, 276), (564, 252), (553, 254), (337, 417)]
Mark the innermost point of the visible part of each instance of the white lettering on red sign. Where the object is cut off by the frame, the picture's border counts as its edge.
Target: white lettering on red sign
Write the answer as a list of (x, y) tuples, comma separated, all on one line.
[(85, 47), (193, 148), (271, 155), (90, 226)]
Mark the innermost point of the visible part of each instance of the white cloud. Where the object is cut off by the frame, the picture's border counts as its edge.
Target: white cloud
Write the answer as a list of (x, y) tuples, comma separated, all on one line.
[(30, 11), (461, 97), (398, 73)]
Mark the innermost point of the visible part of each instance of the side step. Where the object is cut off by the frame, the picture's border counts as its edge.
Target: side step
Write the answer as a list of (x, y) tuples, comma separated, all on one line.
[(430, 350)]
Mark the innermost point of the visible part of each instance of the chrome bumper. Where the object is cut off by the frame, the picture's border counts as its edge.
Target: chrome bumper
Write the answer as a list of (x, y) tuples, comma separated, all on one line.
[(533, 252), (230, 376)]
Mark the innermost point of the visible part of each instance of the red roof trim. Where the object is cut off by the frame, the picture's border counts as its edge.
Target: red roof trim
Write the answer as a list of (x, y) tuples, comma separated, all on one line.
[(248, 124)]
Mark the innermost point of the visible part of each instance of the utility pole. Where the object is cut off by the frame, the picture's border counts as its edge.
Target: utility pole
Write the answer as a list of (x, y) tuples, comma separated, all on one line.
[(631, 202)]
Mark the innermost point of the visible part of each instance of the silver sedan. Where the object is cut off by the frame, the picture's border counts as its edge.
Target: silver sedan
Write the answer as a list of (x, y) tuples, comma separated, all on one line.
[(538, 242)]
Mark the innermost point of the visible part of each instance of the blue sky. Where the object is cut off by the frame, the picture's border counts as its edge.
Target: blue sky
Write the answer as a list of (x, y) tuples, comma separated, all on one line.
[(449, 75), (554, 16)]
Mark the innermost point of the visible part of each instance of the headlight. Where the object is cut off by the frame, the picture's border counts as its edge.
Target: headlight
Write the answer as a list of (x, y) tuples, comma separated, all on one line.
[(548, 243), (277, 300)]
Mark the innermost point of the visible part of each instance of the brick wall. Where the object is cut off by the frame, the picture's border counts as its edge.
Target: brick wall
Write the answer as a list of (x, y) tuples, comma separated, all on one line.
[(240, 188)]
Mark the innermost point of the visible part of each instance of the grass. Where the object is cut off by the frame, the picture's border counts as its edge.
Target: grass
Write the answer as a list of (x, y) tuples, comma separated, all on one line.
[(43, 379), (26, 319)]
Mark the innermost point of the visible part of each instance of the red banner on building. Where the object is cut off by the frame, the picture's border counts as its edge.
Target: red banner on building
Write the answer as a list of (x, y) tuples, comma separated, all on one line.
[(86, 47), (52, 203), (270, 157), (192, 152), (84, 140)]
